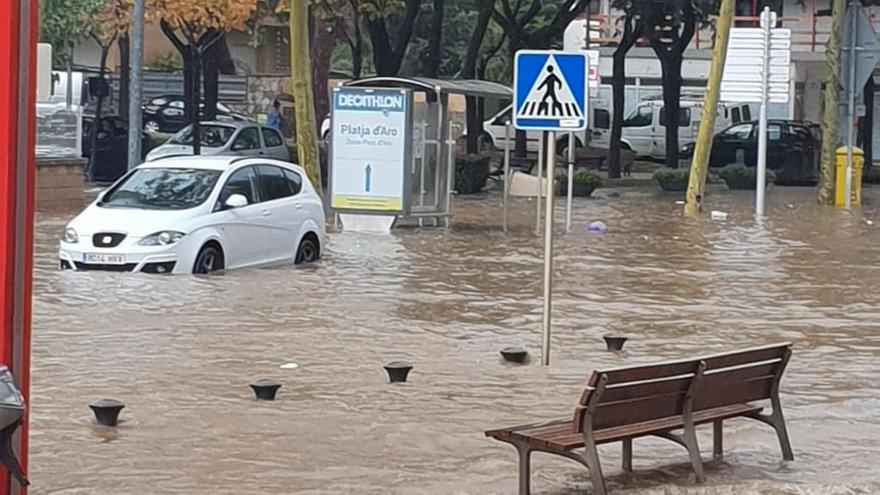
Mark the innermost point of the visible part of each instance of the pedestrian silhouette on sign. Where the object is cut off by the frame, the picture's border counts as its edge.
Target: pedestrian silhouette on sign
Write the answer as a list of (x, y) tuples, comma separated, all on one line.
[(549, 87)]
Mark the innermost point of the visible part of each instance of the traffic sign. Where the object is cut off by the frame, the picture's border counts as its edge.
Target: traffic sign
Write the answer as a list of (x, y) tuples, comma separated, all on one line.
[(550, 90), (743, 76)]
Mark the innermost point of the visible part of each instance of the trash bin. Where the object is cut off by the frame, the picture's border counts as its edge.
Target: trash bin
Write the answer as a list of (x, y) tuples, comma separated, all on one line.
[(840, 177)]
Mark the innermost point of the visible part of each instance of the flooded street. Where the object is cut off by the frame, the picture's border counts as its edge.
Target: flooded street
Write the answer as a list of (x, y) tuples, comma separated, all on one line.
[(180, 352)]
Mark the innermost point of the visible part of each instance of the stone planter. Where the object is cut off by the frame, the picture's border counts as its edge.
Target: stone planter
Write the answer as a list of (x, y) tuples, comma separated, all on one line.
[(673, 185)]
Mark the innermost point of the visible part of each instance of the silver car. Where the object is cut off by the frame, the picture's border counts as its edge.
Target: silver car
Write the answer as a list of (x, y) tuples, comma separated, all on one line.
[(226, 138)]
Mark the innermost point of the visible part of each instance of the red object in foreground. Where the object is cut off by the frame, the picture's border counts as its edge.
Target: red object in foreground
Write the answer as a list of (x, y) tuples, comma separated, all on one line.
[(18, 41)]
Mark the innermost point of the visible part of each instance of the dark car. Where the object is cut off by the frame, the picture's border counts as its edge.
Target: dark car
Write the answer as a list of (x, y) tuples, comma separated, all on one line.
[(165, 114), (111, 161), (792, 149)]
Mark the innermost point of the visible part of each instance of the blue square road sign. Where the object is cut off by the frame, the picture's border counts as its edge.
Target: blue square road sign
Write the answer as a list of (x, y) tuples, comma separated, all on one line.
[(550, 90)]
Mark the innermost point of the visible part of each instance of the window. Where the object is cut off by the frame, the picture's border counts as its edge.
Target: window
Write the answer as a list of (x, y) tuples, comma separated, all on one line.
[(212, 136), (248, 139), (294, 179), (746, 113), (640, 117), (774, 132), (502, 119), (738, 132), (244, 182), (601, 119), (272, 138), (684, 117), (273, 183), (177, 104), (735, 116), (162, 189)]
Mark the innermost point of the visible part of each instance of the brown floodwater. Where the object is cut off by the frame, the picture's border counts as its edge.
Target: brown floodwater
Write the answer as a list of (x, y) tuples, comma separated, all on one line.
[(180, 352)]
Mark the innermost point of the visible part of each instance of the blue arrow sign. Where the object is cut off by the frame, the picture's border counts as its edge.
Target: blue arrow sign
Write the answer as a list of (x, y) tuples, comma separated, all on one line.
[(368, 178)]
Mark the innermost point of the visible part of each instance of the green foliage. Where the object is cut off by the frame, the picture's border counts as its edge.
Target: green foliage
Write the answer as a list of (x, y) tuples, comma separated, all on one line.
[(742, 177), (169, 61), (63, 23), (587, 177), (672, 174)]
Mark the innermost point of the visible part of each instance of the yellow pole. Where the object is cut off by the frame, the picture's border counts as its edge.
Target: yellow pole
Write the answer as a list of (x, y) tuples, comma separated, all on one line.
[(832, 99), (703, 148), (304, 107)]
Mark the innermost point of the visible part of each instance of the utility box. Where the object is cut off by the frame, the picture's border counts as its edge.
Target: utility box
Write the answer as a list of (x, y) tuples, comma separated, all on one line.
[(840, 176)]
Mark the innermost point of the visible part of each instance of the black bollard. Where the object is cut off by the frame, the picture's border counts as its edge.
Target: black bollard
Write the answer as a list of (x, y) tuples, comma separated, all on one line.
[(107, 411), (514, 354), (265, 389), (398, 371), (614, 343)]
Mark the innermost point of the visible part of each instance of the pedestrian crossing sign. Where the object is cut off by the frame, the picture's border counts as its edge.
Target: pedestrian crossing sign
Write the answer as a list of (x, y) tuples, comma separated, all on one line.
[(550, 90)]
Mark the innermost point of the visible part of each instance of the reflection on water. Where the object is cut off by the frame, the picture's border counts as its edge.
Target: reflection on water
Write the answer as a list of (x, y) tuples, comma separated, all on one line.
[(180, 352)]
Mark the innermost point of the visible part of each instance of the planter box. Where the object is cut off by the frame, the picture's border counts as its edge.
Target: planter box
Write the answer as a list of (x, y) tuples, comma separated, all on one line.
[(673, 185), (471, 174), (578, 189)]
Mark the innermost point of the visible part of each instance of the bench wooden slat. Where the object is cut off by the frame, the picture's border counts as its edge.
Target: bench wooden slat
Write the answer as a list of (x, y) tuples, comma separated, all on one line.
[(559, 435), (757, 354)]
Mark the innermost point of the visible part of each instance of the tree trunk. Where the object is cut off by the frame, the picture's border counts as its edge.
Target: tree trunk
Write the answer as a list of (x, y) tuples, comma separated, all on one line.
[(672, 104), (306, 137), (211, 73), (469, 71), (124, 76), (322, 53), (196, 99), (832, 99), (703, 148), (866, 123), (189, 101), (355, 41), (96, 124), (618, 87), (435, 53)]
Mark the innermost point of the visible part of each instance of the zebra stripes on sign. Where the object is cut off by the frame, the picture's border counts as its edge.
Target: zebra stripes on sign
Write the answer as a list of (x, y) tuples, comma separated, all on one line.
[(536, 109)]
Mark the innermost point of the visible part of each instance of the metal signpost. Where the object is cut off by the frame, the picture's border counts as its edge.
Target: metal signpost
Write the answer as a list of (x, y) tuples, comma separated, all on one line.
[(550, 94), (859, 57), (506, 172), (371, 130), (772, 84)]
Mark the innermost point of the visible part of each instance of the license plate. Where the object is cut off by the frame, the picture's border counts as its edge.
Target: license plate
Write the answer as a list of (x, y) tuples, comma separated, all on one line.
[(104, 259)]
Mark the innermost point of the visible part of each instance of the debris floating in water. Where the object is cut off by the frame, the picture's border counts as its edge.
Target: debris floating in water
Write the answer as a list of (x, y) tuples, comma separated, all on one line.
[(869, 222), (679, 202), (597, 227), (289, 366), (719, 215)]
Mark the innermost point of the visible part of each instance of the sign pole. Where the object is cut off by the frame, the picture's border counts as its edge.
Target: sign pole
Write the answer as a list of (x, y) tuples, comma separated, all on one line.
[(760, 189), (506, 173), (850, 100), (548, 252), (541, 142), (570, 179)]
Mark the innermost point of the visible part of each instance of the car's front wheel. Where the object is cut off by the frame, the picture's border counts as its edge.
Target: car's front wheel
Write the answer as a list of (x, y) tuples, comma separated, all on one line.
[(308, 251), (209, 260)]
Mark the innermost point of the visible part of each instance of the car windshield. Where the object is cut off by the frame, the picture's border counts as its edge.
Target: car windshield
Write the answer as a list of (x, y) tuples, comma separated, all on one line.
[(162, 189), (212, 136)]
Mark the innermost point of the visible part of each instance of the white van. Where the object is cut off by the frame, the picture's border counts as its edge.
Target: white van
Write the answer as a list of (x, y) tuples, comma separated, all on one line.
[(644, 129)]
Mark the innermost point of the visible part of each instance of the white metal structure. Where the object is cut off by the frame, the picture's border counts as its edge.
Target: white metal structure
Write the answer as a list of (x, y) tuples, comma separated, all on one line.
[(226, 138), (198, 215)]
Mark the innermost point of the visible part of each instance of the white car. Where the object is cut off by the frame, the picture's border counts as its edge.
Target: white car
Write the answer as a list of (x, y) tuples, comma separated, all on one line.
[(225, 138), (198, 215)]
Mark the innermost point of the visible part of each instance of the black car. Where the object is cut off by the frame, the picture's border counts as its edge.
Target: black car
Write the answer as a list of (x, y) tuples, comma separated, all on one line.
[(165, 114), (792, 149), (111, 161)]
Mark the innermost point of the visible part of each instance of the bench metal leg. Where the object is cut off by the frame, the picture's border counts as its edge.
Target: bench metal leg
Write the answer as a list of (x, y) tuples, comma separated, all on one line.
[(777, 421), (717, 440), (591, 457), (628, 455), (693, 448), (525, 469)]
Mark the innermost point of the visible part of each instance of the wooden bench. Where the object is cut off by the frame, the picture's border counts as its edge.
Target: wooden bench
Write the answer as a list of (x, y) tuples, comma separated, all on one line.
[(621, 404)]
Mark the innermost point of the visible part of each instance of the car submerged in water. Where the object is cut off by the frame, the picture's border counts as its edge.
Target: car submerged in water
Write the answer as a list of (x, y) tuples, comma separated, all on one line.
[(220, 138), (198, 215)]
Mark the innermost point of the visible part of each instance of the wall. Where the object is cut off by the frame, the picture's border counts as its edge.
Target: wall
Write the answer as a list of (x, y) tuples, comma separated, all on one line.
[(60, 184)]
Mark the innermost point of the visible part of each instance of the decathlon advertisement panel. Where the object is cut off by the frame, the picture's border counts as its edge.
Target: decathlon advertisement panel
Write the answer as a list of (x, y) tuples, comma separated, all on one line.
[(369, 149), (550, 88)]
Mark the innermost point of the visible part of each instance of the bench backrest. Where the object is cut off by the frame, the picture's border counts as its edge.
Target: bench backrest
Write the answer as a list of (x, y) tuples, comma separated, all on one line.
[(624, 396)]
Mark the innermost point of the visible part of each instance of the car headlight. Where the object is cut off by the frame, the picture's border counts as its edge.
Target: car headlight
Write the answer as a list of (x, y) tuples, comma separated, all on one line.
[(70, 236), (164, 238)]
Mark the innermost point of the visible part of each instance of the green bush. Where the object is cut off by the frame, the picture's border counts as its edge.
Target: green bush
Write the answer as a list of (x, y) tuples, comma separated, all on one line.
[(672, 174), (742, 177), (471, 173), (587, 177)]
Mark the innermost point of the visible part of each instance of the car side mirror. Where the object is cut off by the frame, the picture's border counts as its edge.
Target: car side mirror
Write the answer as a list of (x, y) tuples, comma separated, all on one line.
[(236, 201)]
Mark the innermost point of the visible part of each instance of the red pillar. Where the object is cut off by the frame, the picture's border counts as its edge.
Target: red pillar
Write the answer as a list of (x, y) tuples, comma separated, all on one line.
[(18, 38)]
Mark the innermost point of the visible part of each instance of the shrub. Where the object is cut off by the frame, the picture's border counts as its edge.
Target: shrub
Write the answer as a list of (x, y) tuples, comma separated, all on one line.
[(673, 179), (471, 173), (741, 177), (587, 177)]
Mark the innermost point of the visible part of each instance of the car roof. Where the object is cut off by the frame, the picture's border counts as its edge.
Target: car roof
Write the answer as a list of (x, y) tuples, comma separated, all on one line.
[(221, 163), (235, 124)]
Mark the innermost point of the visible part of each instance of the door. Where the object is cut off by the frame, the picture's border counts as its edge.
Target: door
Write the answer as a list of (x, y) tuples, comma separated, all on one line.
[(279, 212), (247, 142), (776, 147), (728, 142), (111, 159), (245, 238), (273, 145), (638, 130)]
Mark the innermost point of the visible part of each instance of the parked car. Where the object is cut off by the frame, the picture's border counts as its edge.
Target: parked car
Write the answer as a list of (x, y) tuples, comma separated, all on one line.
[(198, 215), (165, 114), (111, 161), (792, 149), (226, 138)]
